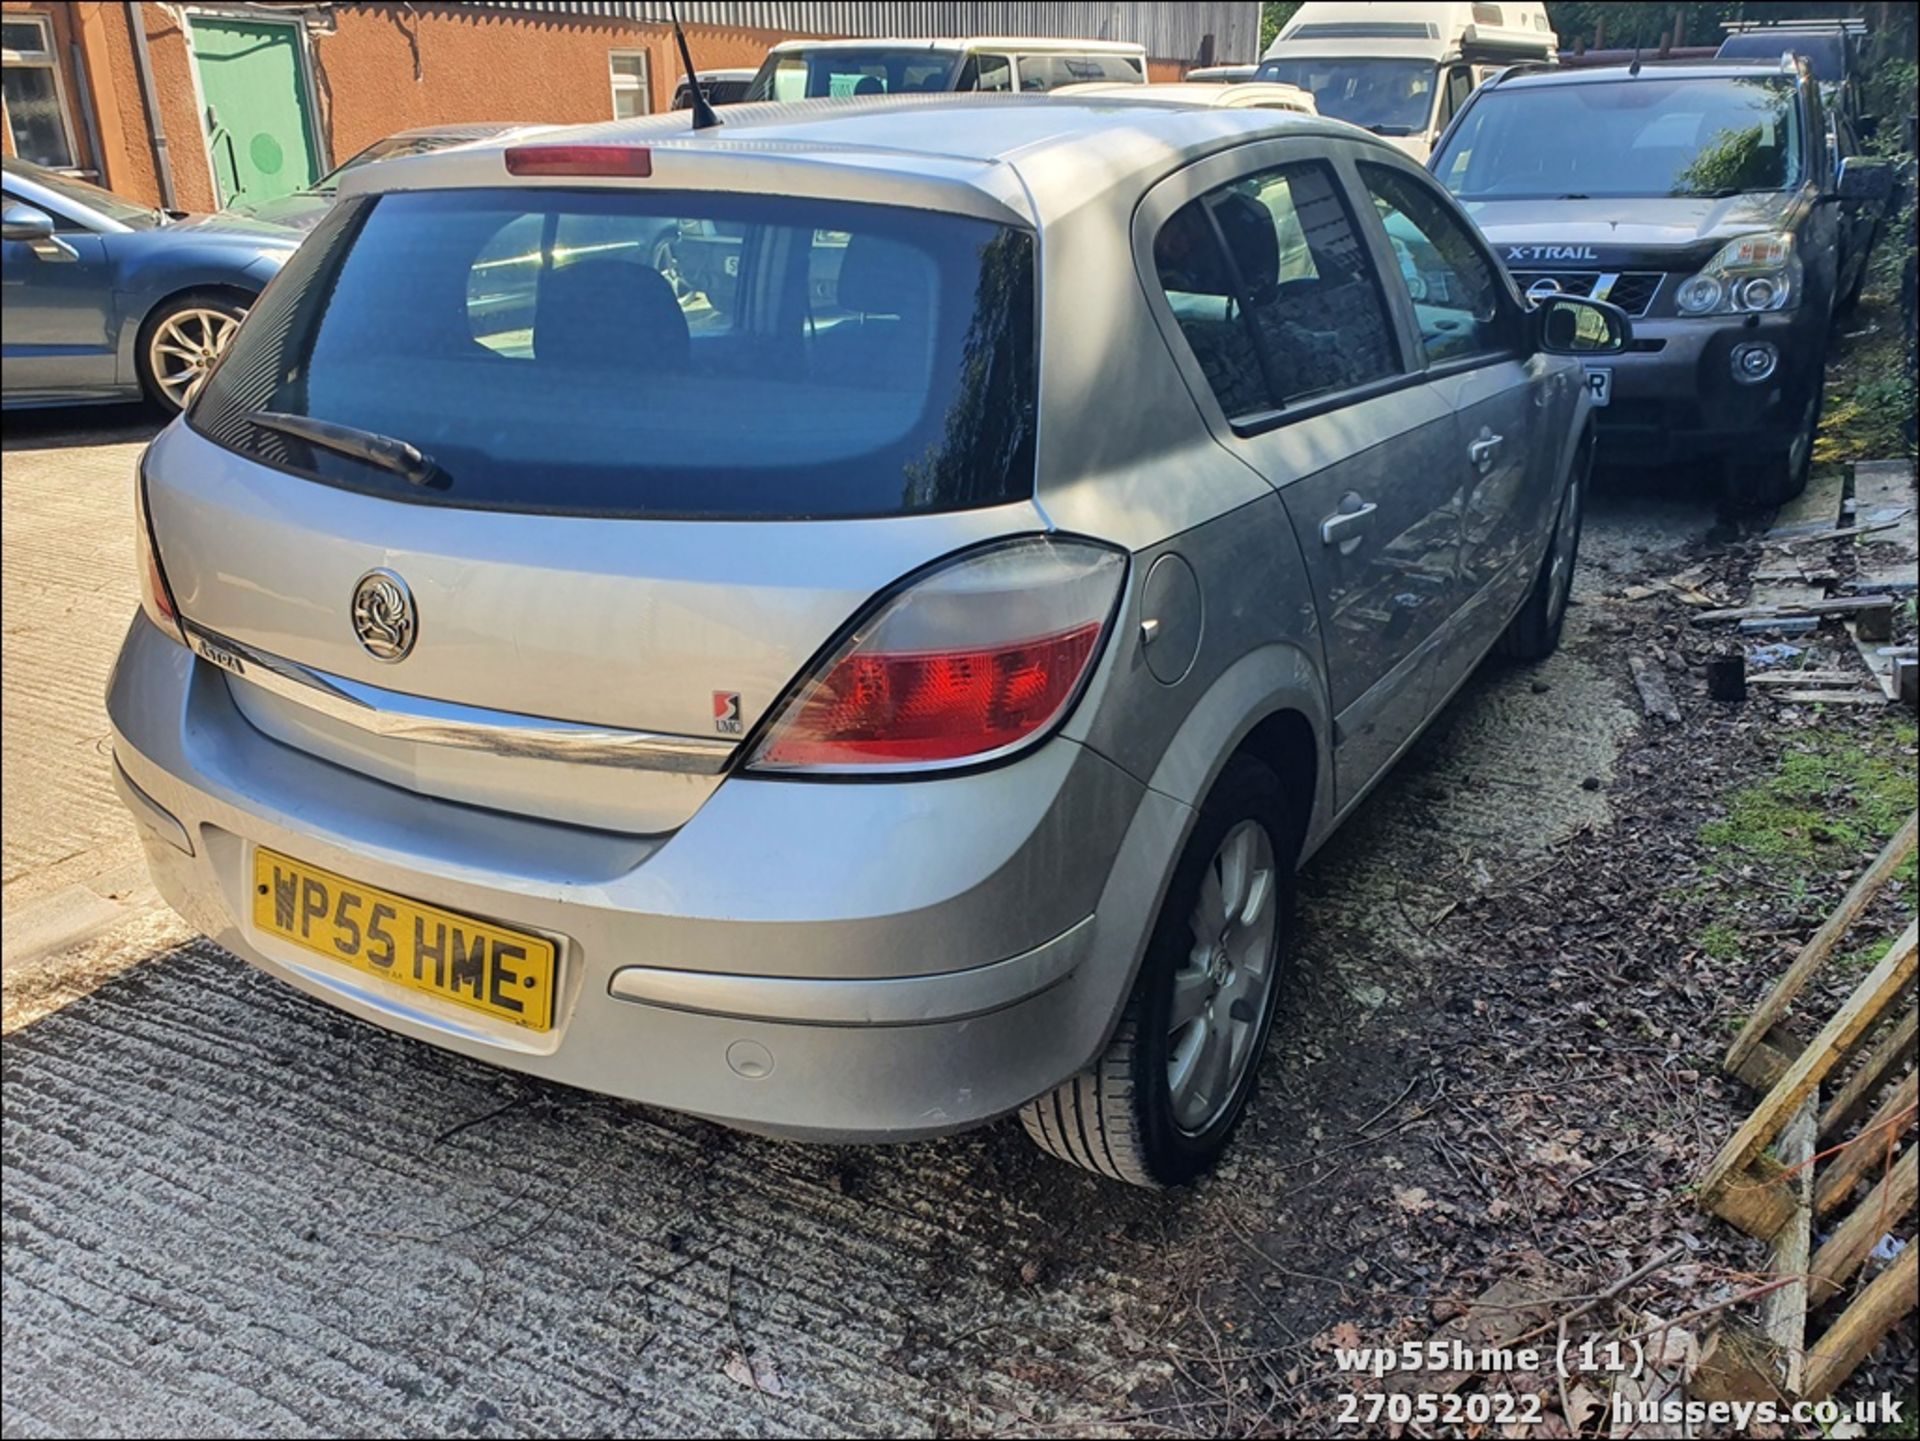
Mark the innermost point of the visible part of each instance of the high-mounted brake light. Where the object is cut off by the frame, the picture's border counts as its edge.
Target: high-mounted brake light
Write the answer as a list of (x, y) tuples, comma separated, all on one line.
[(156, 599), (633, 161), (969, 663)]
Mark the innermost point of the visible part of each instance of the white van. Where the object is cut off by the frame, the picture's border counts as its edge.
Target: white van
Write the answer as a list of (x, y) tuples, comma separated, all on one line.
[(1402, 69), (811, 69)]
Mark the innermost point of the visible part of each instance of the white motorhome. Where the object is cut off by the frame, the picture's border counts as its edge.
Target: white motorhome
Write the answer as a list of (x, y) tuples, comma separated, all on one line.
[(811, 69), (1401, 69)]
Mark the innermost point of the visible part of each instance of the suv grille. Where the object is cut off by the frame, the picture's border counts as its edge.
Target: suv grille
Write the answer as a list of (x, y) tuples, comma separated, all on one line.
[(1632, 290)]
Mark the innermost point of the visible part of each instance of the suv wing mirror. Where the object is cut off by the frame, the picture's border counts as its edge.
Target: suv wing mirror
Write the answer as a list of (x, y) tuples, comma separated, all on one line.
[(1864, 178), (1570, 325)]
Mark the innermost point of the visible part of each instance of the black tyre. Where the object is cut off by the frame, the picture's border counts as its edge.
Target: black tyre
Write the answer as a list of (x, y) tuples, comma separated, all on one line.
[(1164, 1098), (1851, 300), (1774, 477), (181, 340), (1534, 632)]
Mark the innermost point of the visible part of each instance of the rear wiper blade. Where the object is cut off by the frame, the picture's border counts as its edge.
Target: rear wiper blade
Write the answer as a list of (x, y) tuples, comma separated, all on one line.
[(403, 459)]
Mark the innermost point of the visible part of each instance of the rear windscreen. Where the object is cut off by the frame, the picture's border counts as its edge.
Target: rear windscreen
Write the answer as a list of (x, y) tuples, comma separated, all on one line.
[(659, 354)]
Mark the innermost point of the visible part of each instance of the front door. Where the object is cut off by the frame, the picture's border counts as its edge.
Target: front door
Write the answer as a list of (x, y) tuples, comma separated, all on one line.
[(1472, 341), (58, 339), (254, 87)]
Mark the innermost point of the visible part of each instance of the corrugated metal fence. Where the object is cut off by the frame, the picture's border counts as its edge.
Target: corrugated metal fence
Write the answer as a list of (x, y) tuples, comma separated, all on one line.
[(1169, 31)]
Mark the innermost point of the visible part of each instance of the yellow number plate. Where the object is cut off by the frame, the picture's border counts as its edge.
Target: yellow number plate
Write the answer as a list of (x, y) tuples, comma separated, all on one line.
[(505, 974)]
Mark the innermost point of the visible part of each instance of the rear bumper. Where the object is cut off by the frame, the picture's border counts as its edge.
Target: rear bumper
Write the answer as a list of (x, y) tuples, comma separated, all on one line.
[(1682, 400), (842, 962)]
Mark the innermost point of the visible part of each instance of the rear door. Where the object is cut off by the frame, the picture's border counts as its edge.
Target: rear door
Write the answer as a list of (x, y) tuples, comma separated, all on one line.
[(1280, 305), (1472, 345), (649, 505)]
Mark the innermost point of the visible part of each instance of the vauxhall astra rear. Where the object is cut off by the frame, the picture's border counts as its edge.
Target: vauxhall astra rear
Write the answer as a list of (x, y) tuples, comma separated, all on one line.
[(757, 620)]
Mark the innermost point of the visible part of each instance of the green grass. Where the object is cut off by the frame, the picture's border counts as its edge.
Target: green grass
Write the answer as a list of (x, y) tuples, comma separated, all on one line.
[(1834, 796)]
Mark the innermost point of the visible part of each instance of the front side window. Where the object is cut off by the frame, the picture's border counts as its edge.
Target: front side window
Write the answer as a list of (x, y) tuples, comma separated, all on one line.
[(85, 197), (36, 108), (1388, 97), (1623, 139), (632, 95), (658, 354), (1457, 295), (1273, 291)]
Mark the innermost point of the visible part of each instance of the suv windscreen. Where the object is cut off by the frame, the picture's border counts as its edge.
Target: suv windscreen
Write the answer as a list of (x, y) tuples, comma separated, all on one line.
[(1826, 53), (658, 354), (1049, 72), (1388, 97), (1644, 137), (840, 72)]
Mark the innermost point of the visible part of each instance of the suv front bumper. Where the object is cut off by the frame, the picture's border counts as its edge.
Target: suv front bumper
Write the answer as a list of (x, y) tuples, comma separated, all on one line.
[(1675, 395)]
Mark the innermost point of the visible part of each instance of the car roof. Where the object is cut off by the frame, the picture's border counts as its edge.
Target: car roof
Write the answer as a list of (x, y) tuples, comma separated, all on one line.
[(1650, 69), (1017, 158), (969, 42)]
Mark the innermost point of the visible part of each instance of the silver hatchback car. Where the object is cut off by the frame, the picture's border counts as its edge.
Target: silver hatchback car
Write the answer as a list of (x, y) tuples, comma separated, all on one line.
[(885, 684)]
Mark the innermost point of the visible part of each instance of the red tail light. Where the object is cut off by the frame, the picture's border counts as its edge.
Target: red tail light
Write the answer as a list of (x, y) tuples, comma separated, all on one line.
[(156, 599), (632, 161), (969, 663)]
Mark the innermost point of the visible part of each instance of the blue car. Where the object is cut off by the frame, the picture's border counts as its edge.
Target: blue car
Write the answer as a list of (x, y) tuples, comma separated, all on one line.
[(108, 300)]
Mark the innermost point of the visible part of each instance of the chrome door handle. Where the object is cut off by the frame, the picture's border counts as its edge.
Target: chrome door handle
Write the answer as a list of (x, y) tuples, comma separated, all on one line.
[(1343, 527), (1483, 450)]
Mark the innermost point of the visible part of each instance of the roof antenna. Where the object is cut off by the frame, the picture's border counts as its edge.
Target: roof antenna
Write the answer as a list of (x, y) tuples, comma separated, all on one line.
[(704, 117), (1634, 67)]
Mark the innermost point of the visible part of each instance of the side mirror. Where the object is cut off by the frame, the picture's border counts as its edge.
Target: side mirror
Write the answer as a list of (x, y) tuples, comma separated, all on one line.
[(1569, 325), (20, 221), (1864, 178)]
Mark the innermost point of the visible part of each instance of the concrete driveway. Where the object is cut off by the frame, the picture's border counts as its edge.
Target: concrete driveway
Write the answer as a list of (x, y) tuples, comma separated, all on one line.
[(229, 1209)]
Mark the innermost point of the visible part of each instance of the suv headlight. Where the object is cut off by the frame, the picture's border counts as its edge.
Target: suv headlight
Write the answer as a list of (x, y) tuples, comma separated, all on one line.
[(1752, 274)]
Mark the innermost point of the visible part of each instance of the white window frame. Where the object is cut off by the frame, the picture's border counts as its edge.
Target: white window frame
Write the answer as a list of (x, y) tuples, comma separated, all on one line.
[(46, 58), (618, 83)]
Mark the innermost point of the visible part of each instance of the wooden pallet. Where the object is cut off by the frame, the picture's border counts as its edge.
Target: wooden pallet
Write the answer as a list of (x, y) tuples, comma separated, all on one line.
[(1802, 1156)]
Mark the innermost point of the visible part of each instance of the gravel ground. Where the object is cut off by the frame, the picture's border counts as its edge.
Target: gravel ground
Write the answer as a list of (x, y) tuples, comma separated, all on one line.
[(229, 1209)]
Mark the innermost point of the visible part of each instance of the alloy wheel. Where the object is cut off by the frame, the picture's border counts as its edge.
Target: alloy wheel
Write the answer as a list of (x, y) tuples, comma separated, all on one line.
[(1221, 993), (184, 348)]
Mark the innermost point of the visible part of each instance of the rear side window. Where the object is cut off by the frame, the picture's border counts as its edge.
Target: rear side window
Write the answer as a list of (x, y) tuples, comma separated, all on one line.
[(1274, 292), (665, 354)]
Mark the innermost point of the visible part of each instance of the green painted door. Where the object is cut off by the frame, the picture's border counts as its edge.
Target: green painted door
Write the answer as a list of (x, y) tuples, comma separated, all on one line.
[(255, 92)]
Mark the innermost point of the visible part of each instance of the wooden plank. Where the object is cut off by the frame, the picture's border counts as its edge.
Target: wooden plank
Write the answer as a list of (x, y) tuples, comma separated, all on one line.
[(1883, 491), (1818, 505), (1861, 1326), (1829, 697), (1834, 605), (1877, 1142), (1814, 954), (1874, 653), (1889, 1053), (1806, 677), (1841, 534), (1766, 1062), (1874, 994), (1886, 1206), (1651, 682), (1783, 1313)]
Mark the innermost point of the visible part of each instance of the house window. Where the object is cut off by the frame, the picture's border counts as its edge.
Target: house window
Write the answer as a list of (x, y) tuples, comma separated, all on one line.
[(36, 102), (632, 95)]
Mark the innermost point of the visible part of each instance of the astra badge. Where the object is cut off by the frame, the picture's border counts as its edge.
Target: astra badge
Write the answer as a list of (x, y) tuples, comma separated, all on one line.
[(383, 615)]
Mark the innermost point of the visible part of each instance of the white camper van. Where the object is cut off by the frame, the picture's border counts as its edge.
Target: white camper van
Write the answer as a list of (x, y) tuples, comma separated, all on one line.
[(1402, 69), (807, 69)]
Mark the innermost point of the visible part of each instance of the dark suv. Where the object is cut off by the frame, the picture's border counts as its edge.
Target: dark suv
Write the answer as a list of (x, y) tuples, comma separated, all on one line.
[(1704, 200)]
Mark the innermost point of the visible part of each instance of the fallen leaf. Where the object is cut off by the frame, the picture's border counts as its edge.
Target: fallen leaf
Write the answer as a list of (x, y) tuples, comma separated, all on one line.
[(1412, 1199), (757, 1374)]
